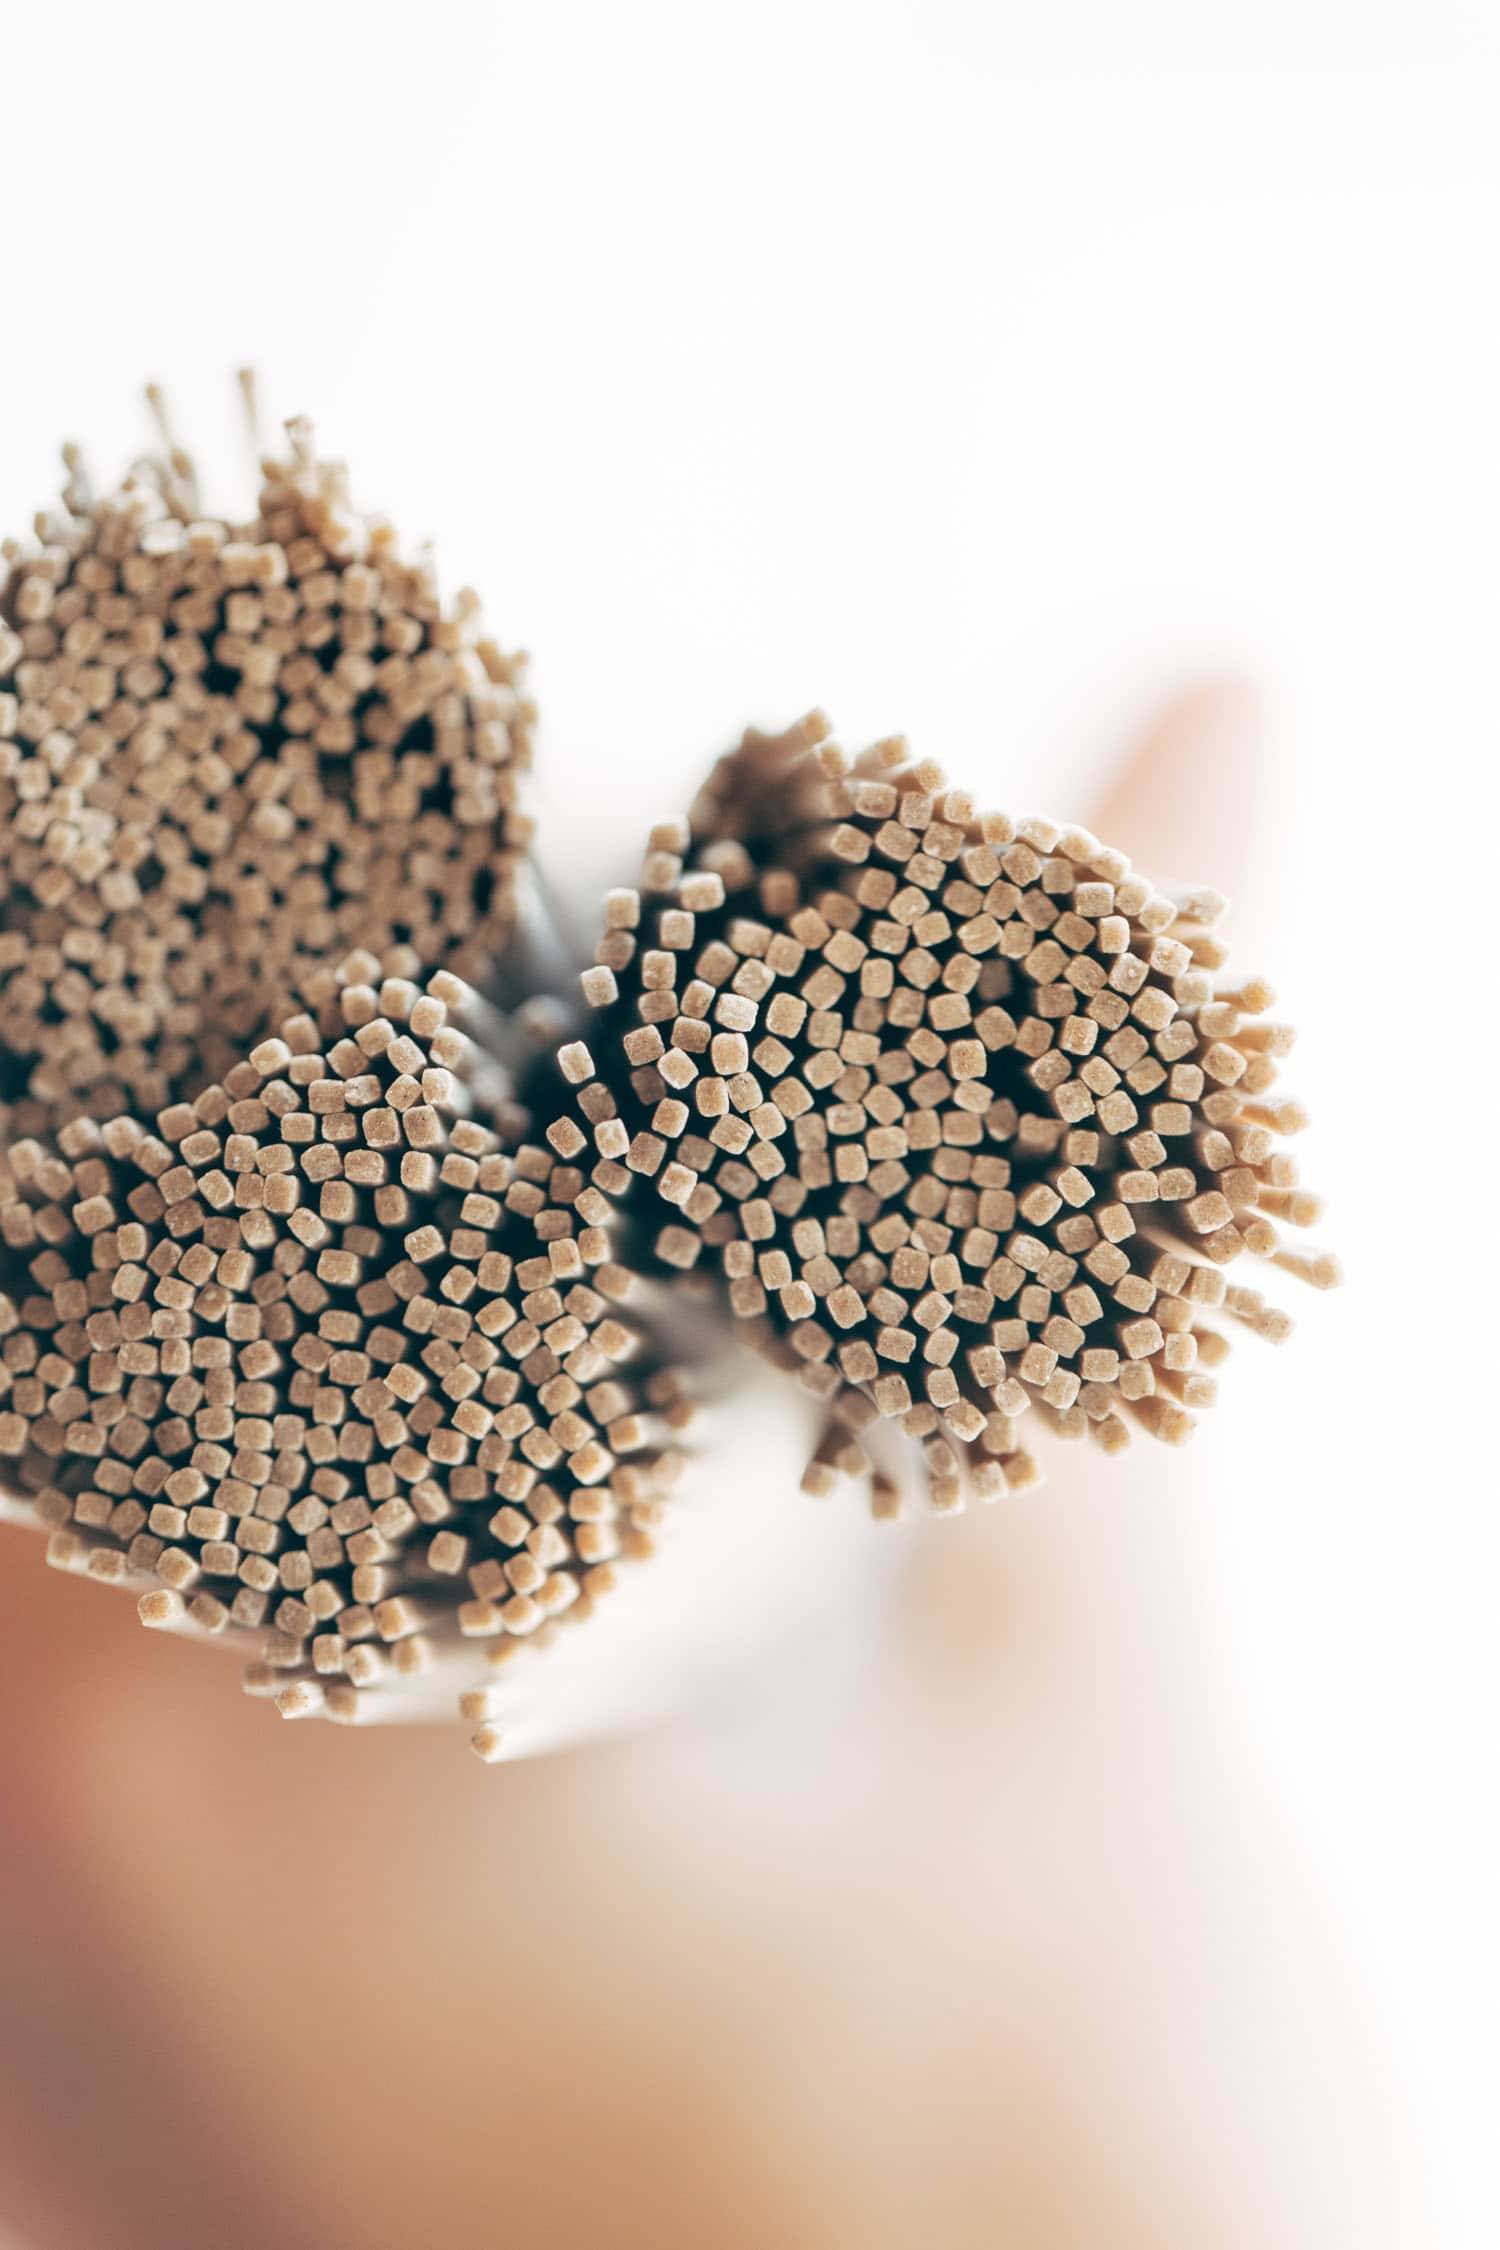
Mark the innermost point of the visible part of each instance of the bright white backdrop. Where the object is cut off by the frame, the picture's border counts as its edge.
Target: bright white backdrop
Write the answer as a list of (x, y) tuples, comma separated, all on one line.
[(985, 378)]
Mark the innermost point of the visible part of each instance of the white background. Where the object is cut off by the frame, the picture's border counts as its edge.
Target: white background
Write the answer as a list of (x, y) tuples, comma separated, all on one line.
[(986, 373)]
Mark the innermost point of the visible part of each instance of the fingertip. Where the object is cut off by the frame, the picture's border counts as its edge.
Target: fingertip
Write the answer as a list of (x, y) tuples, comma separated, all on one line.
[(1194, 796)]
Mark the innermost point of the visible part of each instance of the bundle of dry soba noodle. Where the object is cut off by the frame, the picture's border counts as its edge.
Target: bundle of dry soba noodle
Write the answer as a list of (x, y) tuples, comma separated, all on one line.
[(348, 1313)]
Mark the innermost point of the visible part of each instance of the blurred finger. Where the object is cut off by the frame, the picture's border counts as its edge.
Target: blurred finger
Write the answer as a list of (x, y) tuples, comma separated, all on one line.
[(1196, 796)]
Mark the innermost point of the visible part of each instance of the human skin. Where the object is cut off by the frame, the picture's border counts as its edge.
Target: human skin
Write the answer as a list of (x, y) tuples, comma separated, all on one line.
[(991, 1935)]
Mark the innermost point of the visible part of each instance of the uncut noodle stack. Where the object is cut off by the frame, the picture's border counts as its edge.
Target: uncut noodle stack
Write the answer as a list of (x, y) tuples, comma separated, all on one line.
[(955, 1111), (329, 1349), (229, 753), (335, 1358)]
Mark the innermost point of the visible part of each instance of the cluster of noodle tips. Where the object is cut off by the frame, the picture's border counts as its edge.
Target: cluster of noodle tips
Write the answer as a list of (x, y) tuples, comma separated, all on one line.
[(335, 1283)]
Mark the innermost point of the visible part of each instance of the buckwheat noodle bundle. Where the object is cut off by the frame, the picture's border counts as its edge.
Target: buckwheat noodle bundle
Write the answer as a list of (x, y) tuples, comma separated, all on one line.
[(334, 1357), (229, 752), (955, 1111)]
